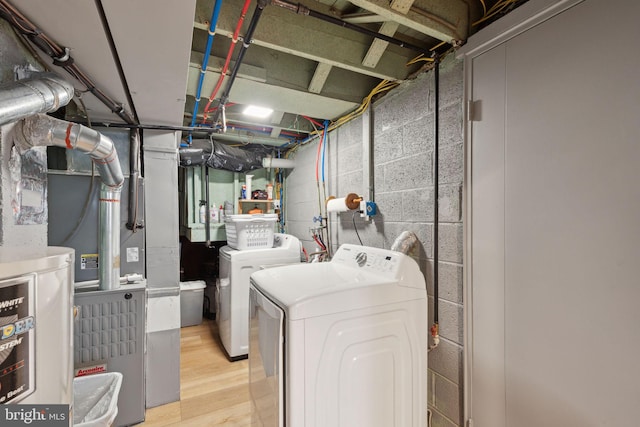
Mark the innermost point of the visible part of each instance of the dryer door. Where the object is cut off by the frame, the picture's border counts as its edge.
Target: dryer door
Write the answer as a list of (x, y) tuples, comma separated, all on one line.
[(265, 361)]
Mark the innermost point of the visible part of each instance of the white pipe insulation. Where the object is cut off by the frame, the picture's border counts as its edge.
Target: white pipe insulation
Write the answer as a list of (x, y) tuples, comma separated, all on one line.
[(42, 130)]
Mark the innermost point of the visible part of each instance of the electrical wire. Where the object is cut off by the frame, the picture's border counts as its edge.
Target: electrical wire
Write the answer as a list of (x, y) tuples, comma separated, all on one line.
[(60, 57), (85, 206), (83, 212), (353, 218), (423, 58), (484, 8), (494, 10), (383, 86)]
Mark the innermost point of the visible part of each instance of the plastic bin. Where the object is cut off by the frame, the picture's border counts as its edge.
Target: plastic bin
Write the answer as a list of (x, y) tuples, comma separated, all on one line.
[(191, 300), (250, 231), (95, 399)]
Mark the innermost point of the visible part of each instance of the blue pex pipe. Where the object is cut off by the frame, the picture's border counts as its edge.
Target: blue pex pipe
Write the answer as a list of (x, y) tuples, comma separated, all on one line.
[(205, 60)]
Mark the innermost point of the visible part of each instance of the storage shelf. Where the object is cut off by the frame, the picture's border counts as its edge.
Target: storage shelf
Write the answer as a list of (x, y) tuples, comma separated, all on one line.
[(267, 203)]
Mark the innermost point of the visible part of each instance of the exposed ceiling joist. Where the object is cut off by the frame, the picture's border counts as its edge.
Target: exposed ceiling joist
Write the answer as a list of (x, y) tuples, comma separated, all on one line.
[(378, 46), (363, 18), (303, 36), (319, 77), (450, 24), (249, 90), (388, 28)]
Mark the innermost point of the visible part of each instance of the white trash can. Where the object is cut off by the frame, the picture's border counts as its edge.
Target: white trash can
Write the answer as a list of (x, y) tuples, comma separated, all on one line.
[(191, 300), (95, 399)]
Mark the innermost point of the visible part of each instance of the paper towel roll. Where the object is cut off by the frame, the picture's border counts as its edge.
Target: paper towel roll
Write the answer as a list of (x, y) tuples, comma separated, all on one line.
[(343, 204), (337, 205)]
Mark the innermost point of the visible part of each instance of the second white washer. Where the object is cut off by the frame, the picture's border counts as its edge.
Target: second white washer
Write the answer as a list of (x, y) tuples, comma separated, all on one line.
[(232, 288)]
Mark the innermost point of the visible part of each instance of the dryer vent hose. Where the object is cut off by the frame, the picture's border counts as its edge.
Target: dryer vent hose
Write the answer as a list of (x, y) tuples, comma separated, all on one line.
[(406, 243)]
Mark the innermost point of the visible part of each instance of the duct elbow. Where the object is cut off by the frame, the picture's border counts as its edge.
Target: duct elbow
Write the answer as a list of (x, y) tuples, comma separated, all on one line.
[(42, 130), (40, 93)]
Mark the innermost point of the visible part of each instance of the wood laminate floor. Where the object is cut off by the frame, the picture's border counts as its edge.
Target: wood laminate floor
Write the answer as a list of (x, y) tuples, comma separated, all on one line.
[(213, 391)]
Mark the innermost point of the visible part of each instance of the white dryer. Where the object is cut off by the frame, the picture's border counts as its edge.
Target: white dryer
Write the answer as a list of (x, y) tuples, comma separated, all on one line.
[(232, 288), (341, 343)]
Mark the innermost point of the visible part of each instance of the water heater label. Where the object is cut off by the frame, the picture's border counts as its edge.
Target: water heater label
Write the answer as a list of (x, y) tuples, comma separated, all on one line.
[(17, 339)]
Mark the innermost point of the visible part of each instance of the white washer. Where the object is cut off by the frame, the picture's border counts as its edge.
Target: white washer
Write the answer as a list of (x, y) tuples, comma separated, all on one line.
[(341, 343), (232, 288)]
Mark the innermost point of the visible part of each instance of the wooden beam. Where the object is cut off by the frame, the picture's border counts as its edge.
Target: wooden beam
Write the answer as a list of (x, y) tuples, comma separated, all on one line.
[(319, 77), (445, 20), (388, 28)]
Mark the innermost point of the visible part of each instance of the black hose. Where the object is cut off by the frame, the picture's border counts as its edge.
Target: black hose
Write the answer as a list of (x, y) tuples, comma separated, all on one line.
[(134, 175), (246, 42)]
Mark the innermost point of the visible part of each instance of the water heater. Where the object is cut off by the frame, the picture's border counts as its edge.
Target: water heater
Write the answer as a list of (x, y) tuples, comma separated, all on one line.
[(36, 321)]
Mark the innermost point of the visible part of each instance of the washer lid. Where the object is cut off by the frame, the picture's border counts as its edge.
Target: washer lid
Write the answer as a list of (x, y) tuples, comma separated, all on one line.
[(286, 250), (309, 290)]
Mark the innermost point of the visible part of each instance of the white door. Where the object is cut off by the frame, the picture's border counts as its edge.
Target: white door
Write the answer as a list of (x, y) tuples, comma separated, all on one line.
[(265, 361), (555, 202)]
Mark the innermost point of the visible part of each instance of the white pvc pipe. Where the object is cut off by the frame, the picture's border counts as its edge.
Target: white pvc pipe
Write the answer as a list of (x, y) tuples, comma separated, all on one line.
[(270, 162)]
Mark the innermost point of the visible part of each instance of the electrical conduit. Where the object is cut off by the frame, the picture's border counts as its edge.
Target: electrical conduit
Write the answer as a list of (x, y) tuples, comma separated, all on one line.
[(435, 333)]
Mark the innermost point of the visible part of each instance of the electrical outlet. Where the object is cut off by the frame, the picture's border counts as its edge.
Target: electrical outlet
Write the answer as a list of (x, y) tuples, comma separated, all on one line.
[(368, 209)]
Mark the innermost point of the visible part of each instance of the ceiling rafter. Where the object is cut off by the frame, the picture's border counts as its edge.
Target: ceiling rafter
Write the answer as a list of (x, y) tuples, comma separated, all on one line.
[(449, 24), (305, 37)]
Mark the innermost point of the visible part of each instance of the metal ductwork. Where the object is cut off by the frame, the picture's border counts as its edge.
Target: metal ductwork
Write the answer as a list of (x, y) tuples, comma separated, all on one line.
[(42, 130), (42, 93), (406, 243)]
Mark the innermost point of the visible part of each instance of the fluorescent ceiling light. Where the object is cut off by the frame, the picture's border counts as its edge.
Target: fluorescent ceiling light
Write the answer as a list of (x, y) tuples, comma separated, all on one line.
[(260, 112)]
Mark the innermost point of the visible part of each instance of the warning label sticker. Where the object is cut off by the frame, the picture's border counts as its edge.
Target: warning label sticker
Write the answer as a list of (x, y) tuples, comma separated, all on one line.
[(89, 262)]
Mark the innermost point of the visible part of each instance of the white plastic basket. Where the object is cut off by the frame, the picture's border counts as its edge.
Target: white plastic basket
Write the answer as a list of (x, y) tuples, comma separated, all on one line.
[(250, 231)]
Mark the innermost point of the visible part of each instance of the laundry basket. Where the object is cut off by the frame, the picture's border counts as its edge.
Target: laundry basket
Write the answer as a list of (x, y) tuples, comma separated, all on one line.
[(250, 231)]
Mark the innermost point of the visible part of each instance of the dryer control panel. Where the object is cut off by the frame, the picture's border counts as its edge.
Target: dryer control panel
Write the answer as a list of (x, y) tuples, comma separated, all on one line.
[(374, 260)]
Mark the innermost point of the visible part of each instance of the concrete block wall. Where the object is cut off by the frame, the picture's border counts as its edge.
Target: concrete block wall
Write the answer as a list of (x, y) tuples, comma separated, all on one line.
[(403, 142)]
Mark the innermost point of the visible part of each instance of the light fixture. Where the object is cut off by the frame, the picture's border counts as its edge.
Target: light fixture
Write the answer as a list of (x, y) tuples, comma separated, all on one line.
[(255, 111)]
